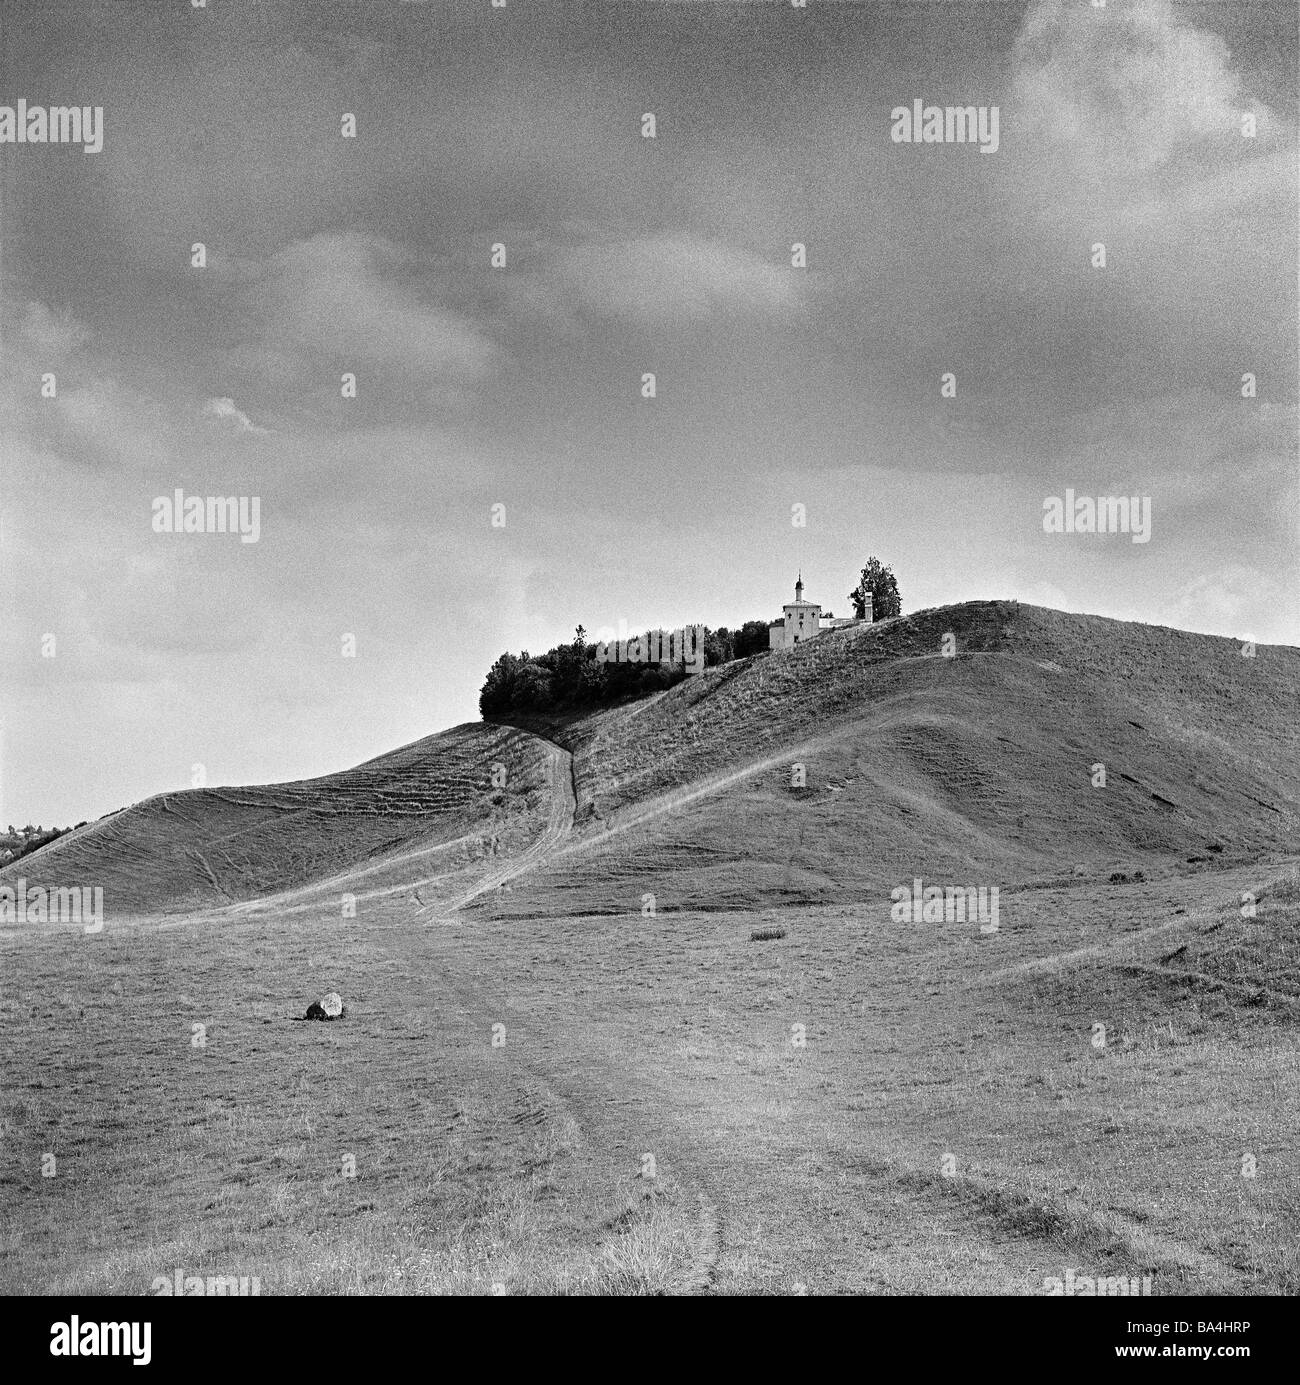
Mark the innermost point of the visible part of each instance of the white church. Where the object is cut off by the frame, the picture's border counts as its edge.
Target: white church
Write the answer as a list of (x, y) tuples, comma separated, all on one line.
[(803, 620)]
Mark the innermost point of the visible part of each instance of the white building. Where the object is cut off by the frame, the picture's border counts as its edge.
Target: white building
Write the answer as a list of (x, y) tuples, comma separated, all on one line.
[(803, 620)]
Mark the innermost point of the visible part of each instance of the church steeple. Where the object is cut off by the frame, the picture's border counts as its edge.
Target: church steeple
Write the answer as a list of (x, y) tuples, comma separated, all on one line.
[(802, 620)]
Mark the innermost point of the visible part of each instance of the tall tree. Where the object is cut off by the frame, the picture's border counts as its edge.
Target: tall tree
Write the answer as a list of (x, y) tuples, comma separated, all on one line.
[(883, 585)]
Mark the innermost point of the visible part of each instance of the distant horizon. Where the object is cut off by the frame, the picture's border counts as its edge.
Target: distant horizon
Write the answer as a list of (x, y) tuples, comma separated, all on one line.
[(473, 720)]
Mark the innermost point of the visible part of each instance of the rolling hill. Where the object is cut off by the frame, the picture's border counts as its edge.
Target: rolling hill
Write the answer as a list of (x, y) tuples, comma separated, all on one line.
[(569, 1065), (426, 811), (978, 766)]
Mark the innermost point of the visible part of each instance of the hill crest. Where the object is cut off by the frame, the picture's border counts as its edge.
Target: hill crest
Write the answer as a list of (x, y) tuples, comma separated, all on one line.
[(962, 738)]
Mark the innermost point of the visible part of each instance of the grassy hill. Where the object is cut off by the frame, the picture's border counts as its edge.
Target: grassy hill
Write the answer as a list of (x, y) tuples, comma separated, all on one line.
[(972, 768), (569, 1067), (425, 811), (977, 766)]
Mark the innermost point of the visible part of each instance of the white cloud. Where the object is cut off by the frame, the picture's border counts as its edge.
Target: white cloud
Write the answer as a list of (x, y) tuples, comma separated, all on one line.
[(103, 420), (226, 409), (52, 336), (1048, 594), (669, 279), (1222, 602), (363, 300), (1125, 88)]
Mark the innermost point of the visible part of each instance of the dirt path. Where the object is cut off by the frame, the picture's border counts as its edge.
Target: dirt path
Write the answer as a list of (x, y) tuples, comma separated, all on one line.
[(558, 839), (559, 826), (556, 845), (812, 1200)]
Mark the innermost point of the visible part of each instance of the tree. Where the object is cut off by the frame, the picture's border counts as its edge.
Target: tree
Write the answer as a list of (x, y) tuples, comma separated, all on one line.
[(751, 638), (883, 585), (718, 647), (498, 690), (534, 689)]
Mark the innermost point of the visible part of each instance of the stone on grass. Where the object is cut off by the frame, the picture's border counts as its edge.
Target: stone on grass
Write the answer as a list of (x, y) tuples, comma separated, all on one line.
[(328, 1007)]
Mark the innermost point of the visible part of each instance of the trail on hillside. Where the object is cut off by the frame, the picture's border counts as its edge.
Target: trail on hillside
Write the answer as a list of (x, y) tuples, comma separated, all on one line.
[(556, 844), (1125, 954), (559, 825), (305, 898)]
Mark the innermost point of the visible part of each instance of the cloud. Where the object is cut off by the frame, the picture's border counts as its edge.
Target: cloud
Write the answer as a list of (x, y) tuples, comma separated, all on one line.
[(225, 409), (1126, 88), (1221, 602), (668, 279), (104, 422), (52, 336), (361, 300)]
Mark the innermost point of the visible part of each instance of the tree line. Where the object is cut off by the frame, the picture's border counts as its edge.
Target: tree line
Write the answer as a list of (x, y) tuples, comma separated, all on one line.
[(570, 676)]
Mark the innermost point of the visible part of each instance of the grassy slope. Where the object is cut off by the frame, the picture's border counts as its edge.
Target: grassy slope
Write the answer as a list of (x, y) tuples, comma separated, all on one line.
[(430, 805), (975, 769), (521, 1162)]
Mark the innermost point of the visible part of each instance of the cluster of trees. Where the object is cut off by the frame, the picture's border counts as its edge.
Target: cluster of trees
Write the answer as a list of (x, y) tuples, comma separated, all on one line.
[(16, 842), (569, 676)]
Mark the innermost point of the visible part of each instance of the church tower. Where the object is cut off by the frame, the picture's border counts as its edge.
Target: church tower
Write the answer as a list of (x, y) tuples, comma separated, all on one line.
[(801, 621)]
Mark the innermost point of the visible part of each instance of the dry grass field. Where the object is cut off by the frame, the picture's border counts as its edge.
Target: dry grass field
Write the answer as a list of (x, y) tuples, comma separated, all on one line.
[(568, 1068)]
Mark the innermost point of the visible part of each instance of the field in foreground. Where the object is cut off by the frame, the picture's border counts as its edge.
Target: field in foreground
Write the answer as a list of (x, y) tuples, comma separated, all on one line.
[(568, 1068)]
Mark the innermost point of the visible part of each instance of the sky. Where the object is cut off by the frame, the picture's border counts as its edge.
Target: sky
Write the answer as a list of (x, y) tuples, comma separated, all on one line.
[(800, 419)]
